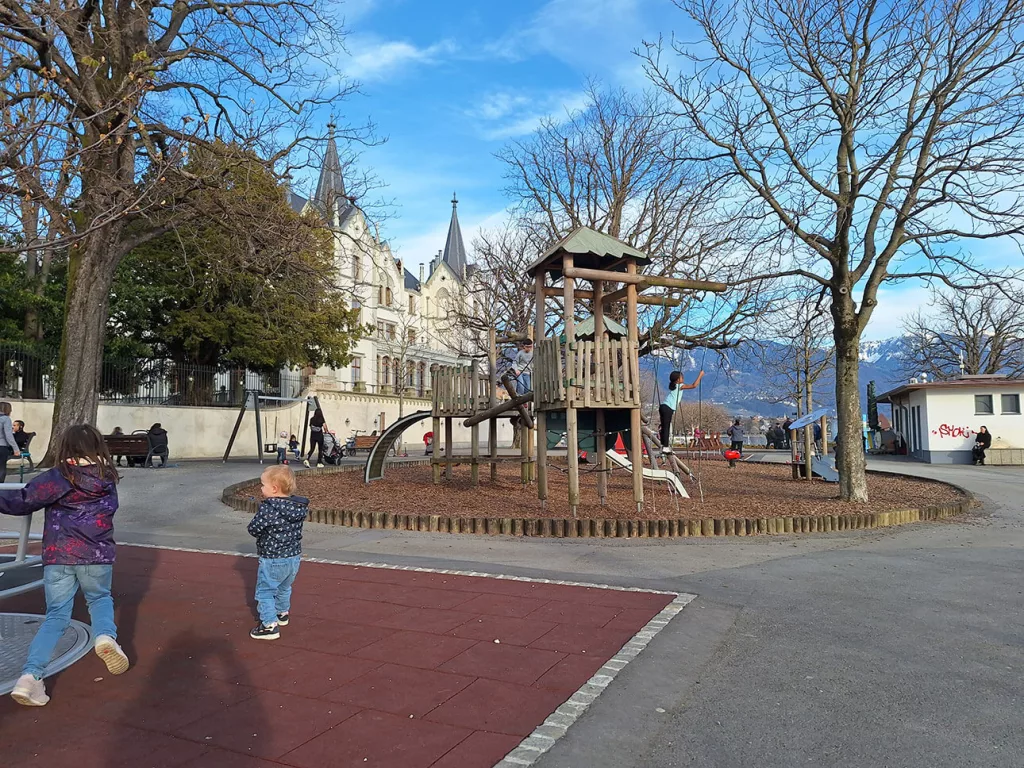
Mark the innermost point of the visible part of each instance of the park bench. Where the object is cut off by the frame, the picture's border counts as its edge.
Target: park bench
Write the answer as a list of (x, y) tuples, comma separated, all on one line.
[(365, 442), (138, 448)]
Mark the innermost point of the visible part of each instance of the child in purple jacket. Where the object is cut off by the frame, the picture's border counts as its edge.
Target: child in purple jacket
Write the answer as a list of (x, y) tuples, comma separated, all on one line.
[(80, 498)]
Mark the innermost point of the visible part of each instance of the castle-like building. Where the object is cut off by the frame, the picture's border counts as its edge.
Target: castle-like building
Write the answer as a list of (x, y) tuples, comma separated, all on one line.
[(417, 318)]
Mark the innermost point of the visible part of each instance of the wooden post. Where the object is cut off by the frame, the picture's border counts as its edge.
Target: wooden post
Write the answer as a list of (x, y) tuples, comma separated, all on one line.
[(524, 454), (540, 416), (599, 352), (435, 463), (792, 454), (475, 429), (448, 447), (572, 442), (492, 372), (634, 414), (824, 437)]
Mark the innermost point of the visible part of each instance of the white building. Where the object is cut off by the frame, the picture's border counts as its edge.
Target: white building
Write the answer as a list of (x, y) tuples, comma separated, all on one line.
[(940, 420), (415, 316)]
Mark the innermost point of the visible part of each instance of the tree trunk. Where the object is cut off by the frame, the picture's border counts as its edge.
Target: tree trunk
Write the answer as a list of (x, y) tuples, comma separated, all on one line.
[(850, 461), (91, 269)]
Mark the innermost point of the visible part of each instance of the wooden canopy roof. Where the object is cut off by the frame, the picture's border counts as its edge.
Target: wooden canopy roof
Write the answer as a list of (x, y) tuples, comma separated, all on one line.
[(590, 250)]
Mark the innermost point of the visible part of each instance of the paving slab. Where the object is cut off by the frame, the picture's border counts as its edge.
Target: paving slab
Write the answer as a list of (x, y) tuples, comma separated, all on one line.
[(384, 668)]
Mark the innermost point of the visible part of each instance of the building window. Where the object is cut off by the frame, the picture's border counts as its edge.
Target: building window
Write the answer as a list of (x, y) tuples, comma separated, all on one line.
[(412, 335), (391, 331), (412, 305), (357, 369), (983, 405), (390, 298), (357, 267), (380, 329), (387, 372), (357, 307), (1009, 404), (410, 374)]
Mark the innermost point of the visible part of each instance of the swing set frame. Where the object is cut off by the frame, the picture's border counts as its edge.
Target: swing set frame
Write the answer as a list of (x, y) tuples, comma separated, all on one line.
[(312, 403)]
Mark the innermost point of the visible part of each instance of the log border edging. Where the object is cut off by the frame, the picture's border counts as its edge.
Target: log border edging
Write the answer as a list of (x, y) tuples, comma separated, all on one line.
[(601, 528)]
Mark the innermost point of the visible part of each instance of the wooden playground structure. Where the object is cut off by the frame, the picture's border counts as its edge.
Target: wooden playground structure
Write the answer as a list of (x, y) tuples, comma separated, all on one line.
[(587, 389)]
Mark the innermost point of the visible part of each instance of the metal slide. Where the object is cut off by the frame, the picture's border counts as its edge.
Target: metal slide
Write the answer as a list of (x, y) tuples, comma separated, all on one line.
[(650, 474), (825, 468), (379, 452)]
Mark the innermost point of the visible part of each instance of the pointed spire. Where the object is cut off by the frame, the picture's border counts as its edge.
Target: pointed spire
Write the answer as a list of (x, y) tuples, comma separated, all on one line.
[(454, 249), (330, 189)]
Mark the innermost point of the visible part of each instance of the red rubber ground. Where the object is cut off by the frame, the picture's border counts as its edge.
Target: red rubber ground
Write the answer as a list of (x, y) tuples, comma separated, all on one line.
[(378, 668)]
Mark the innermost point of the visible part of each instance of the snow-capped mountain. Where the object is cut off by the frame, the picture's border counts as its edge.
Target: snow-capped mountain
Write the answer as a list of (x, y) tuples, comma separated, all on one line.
[(744, 388)]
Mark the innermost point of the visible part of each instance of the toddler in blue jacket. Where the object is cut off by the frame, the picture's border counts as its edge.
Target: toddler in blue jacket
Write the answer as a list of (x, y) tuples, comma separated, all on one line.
[(277, 528)]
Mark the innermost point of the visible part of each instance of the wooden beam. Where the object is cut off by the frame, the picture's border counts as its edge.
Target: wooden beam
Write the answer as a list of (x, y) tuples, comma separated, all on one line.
[(615, 296), (632, 278), (498, 410)]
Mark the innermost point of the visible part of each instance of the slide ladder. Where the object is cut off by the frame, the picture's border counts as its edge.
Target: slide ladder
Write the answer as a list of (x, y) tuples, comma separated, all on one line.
[(378, 454), (650, 474)]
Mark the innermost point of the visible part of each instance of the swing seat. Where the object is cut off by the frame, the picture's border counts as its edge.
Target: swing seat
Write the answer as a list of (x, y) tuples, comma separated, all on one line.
[(270, 447)]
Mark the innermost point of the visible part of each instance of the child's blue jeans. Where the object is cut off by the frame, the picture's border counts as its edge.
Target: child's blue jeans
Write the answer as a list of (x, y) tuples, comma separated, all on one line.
[(274, 579), (61, 583)]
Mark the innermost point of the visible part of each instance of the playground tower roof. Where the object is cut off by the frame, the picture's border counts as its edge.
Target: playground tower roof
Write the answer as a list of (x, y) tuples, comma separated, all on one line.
[(591, 250)]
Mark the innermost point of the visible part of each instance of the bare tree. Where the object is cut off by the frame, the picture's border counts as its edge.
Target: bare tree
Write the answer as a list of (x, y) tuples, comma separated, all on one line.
[(862, 141), (616, 166), (131, 89), (966, 332)]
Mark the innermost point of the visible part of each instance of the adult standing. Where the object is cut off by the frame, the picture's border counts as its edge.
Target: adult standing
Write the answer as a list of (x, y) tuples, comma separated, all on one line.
[(982, 442), (317, 425), (8, 445), (787, 437), (736, 434)]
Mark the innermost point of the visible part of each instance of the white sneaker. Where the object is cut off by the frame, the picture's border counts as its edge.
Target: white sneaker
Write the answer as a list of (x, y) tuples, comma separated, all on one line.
[(319, 466), (305, 462), (30, 692), (666, 451), (107, 649)]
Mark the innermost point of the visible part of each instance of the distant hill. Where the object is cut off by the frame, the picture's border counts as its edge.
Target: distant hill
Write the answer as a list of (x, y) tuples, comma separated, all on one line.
[(739, 387)]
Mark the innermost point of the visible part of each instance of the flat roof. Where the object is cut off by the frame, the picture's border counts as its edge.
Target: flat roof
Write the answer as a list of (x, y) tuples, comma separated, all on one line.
[(978, 383)]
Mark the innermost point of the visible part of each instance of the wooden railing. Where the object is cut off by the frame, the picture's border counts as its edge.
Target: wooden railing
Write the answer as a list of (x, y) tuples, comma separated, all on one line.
[(586, 374), (454, 394)]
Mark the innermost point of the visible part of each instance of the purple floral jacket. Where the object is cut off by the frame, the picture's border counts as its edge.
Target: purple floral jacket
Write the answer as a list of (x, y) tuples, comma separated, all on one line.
[(79, 526)]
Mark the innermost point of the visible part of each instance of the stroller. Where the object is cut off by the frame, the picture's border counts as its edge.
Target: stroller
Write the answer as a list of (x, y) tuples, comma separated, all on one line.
[(333, 451)]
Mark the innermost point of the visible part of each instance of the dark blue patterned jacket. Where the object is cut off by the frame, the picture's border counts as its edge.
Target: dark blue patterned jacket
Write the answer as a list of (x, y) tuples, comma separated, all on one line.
[(277, 526), (79, 524)]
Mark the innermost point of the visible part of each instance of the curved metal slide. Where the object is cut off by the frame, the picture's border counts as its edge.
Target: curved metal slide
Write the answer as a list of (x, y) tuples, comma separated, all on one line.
[(379, 452)]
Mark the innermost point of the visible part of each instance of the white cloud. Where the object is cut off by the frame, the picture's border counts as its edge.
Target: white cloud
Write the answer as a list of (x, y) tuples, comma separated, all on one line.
[(507, 114), (595, 35), (374, 59), (894, 305)]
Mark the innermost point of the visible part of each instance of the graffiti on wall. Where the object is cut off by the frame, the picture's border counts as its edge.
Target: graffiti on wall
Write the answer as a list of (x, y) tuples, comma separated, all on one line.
[(952, 430)]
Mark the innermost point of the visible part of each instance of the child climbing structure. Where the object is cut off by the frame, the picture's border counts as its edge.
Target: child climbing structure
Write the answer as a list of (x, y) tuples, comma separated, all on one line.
[(586, 380), (598, 381)]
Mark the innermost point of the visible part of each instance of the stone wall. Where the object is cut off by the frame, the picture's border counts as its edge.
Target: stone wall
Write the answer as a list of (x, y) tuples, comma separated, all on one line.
[(202, 433)]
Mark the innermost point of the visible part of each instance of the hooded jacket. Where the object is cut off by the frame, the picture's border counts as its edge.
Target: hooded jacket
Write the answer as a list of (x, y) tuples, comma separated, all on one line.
[(277, 526), (79, 524)]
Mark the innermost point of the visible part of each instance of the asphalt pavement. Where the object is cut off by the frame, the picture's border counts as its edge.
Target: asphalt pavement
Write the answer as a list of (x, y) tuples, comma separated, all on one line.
[(893, 647)]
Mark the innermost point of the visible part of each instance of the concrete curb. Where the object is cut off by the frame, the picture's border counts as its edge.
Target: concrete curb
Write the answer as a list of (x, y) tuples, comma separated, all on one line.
[(598, 528)]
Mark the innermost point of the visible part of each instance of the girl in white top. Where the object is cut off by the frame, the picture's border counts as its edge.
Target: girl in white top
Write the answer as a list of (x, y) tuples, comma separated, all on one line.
[(670, 405)]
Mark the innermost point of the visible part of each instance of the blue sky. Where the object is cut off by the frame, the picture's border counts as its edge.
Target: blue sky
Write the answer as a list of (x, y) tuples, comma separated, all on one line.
[(449, 82)]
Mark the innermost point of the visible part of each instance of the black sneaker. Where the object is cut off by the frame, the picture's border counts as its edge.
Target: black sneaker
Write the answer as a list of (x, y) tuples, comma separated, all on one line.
[(282, 619), (263, 632)]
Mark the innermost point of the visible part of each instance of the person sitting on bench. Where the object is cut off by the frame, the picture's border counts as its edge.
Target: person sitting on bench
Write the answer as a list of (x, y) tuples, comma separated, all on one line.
[(157, 444)]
